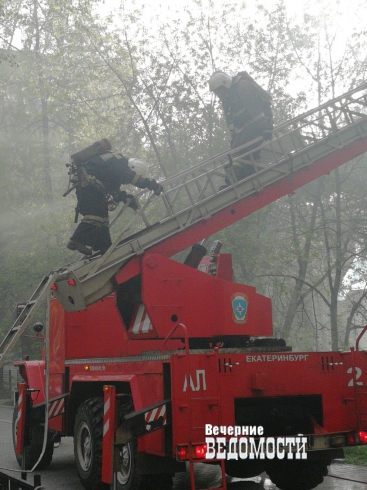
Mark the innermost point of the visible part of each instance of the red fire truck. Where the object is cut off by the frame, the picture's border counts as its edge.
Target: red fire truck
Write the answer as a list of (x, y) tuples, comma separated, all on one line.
[(150, 363)]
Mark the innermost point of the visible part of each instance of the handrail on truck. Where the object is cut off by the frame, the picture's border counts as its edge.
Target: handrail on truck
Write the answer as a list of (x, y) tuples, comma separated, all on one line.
[(359, 337), (176, 327)]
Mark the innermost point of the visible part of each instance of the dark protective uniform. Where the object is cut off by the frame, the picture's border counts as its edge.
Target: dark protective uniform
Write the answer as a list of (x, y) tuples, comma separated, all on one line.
[(101, 176), (247, 109)]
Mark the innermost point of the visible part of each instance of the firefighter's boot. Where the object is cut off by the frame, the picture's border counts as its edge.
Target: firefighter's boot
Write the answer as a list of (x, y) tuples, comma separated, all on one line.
[(80, 247)]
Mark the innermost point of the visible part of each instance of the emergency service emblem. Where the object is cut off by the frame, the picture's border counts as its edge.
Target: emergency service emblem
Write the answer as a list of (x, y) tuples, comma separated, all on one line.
[(239, 307)]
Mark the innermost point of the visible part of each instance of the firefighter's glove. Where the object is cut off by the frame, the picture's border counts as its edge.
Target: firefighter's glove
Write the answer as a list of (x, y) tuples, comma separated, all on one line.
[(120, 196), (154, 186), (128, 198), (134, 203)]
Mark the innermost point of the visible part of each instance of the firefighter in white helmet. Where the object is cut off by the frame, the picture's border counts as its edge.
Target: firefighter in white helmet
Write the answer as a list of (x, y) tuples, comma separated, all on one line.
[(98, 185), (247, 109)]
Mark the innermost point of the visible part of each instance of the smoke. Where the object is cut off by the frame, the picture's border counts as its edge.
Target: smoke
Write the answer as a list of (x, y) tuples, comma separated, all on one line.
[(55, 210)]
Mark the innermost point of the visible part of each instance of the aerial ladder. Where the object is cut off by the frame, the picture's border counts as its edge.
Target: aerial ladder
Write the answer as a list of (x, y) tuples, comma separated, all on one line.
[(194, 204)]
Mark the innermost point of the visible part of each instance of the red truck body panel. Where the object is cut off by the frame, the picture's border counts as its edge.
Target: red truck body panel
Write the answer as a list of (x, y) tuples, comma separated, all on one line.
[(175, 293), (133, 345), (211, 385), (210, 396)]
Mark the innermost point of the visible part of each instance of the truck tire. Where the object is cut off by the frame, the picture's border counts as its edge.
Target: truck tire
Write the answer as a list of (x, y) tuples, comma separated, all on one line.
[(34, 449), (303, 475), (88, 443), (128, 478), (88, 455)]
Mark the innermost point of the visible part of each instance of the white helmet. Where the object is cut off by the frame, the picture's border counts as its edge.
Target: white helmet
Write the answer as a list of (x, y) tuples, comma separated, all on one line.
[(140, 167), (219, 79)]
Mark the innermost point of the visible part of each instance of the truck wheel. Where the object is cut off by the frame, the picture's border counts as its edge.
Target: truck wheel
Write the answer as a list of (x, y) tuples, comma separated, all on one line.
[(303, 475), (88, 443), (128, 477), (34, 449)]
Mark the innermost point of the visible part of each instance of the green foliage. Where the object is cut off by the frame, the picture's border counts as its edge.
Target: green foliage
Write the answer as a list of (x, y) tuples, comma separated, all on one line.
[(356, 455), (69, 76)]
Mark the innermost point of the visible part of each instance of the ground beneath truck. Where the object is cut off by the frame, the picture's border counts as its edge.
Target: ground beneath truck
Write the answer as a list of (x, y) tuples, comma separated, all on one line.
[(62, 474)]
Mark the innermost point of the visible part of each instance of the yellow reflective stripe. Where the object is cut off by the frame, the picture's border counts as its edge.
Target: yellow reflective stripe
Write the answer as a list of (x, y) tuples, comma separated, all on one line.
[(95, 181), (107, 156), (135, 179), (89, 218), (257, 118)]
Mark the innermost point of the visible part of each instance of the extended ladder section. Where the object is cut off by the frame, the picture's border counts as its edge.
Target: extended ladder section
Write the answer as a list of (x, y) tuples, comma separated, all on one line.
[(195, 205), (28, 311)]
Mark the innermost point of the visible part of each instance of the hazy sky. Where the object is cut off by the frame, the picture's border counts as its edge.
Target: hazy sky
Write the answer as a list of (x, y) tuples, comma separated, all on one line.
[(339, 15), (294, 7), (338, 12)]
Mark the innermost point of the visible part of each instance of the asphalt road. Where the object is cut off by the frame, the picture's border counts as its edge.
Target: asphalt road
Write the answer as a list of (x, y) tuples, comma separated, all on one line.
[(62, 475)]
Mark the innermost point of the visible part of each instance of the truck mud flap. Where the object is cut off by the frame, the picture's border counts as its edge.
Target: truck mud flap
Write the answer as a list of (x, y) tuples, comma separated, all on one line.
[(134, 425), (144, 421), (56, 407)]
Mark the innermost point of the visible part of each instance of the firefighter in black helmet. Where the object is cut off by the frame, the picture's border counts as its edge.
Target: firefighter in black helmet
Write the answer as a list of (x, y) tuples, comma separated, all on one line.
[(98, 178), (247, 109)]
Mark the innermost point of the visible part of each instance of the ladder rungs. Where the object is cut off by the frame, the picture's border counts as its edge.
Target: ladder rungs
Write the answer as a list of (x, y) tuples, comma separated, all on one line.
[(25, 316), (197, 193), (29, 303)]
